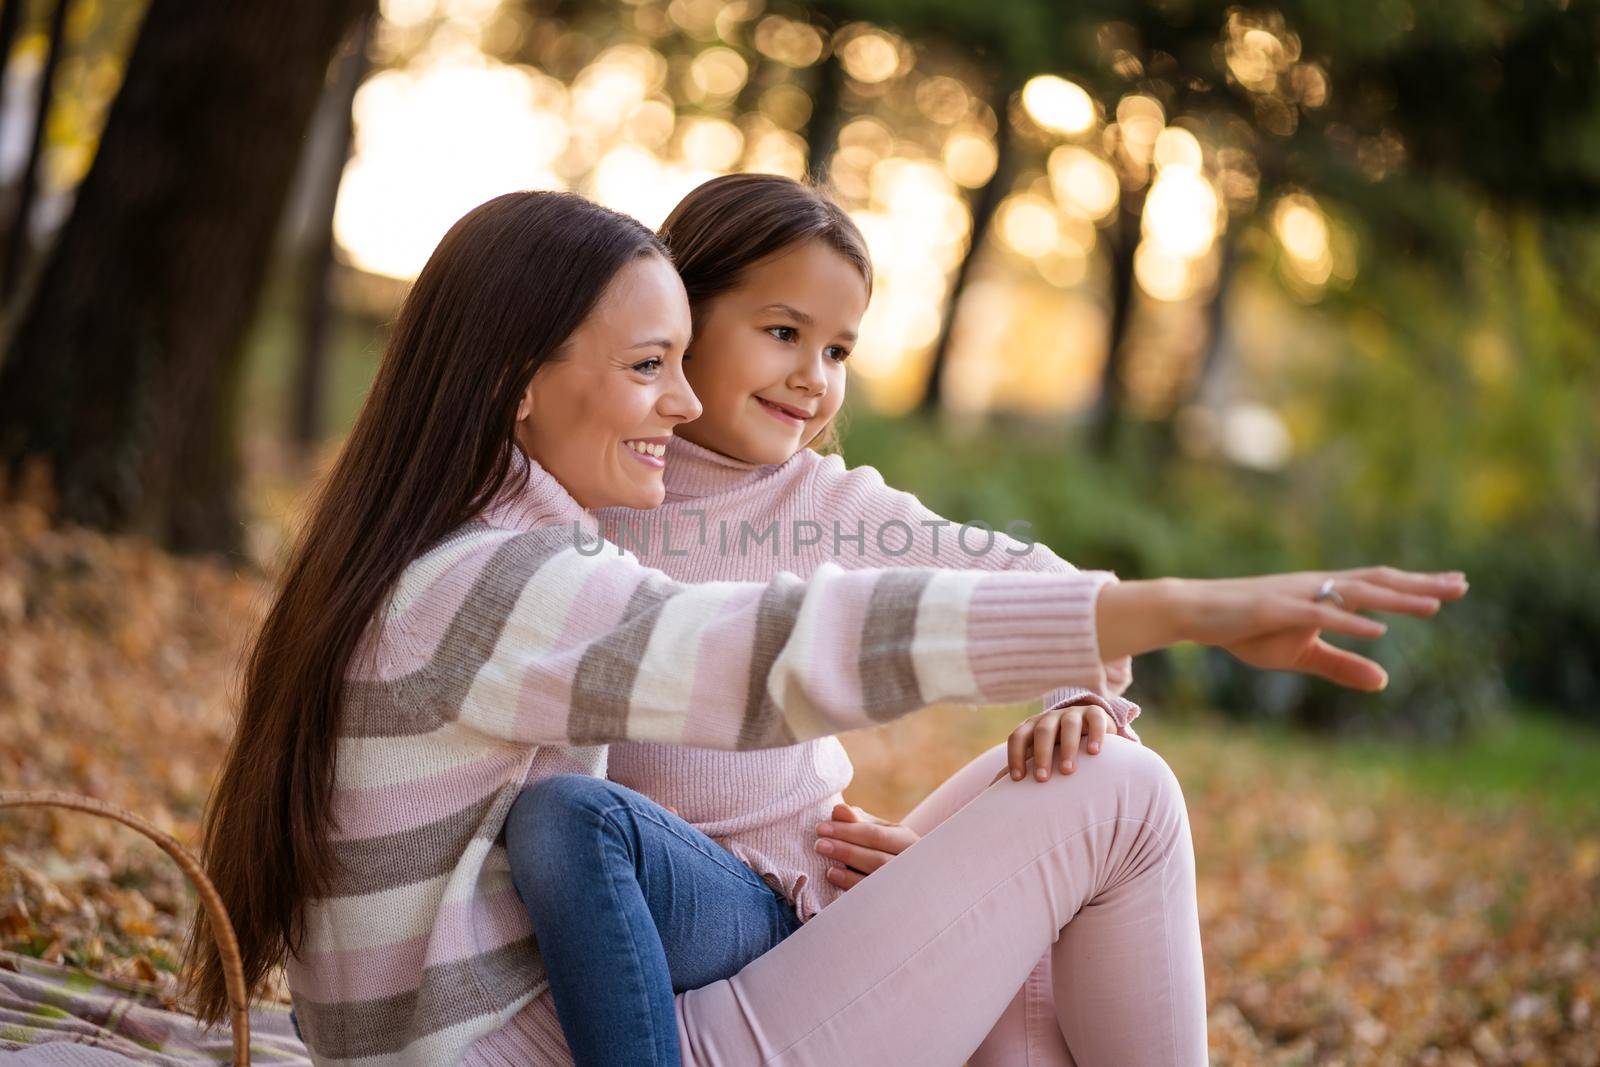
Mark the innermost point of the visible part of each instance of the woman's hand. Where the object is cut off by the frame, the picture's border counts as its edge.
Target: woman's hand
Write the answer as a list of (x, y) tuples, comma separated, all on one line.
[(1275, 623), (861, 842), (1272, 622), (1039, 735)]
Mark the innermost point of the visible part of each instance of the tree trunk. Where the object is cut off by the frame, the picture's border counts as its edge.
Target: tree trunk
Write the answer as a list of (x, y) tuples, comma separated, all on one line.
[(122, 374), (10, 20), (822, 128), (1217, 339), (984, 204), (20, 235), (331, 136), (1110, 408)]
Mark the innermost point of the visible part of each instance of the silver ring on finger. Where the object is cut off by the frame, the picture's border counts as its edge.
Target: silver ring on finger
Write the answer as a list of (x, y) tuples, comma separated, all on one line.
[(1328, 592)]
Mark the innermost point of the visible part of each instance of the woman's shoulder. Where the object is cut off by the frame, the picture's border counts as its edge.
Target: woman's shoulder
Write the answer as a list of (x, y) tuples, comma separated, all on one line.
[(477, 539), (479, 553), (473, 579)]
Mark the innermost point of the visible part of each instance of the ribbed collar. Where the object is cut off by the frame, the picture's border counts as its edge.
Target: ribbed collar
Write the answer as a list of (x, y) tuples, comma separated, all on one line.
[(694, 471), (533, 498)]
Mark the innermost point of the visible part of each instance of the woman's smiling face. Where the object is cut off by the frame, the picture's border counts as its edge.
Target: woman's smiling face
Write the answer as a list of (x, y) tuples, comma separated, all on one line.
[(767, 360), (593, 416)]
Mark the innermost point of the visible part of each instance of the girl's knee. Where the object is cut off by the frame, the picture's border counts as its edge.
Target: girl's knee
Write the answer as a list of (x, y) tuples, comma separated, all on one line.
[(1138, 759), (1127, 768)]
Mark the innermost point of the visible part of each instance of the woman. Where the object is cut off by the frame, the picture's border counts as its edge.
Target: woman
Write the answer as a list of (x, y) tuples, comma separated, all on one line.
[(446, 631)]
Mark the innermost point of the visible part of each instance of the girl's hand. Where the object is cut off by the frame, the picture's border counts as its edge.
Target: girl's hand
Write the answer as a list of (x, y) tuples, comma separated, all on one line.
[(861, 842), (1039, 735)]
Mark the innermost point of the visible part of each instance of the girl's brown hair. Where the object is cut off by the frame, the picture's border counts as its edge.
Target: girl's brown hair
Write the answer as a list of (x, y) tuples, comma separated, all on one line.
[(725, 225), (433, 444)]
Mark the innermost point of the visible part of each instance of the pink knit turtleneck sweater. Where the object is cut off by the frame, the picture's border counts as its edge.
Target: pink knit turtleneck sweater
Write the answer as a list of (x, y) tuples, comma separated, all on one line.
[(729, 520)]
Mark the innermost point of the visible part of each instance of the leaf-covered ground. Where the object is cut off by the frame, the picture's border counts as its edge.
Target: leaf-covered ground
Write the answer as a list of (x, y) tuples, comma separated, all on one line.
[(1349, 916)]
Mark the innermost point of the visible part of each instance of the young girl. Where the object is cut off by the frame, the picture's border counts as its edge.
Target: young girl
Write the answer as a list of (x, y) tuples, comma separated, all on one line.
[(778, 279)]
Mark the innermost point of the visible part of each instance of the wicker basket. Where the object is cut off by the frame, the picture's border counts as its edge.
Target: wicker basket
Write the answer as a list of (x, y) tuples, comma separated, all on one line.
[(216, 914)]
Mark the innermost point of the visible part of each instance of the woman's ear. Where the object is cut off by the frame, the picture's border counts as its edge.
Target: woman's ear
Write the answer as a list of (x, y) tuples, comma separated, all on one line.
[(525, 405), (522, 428)]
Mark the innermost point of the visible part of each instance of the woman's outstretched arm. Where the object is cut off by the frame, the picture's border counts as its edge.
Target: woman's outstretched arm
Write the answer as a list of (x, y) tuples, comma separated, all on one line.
[(534, 638), (527, 637)]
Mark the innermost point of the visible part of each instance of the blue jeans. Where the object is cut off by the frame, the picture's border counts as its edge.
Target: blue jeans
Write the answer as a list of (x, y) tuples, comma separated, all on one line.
[(630, 906)]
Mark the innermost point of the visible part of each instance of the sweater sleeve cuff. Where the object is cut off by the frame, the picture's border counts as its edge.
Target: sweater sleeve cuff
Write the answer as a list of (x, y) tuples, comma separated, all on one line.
[(1121, 710), (1030, 632)]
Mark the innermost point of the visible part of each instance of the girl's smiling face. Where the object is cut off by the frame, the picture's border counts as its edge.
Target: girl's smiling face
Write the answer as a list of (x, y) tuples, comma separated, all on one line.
[(767, 358)]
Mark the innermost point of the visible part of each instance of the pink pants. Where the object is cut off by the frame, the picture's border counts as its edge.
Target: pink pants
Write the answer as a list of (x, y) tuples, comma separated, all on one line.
[(936, 958)]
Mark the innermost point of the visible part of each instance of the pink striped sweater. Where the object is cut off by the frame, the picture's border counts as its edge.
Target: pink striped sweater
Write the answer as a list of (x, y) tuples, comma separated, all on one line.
[(763, 805), (518, 647)]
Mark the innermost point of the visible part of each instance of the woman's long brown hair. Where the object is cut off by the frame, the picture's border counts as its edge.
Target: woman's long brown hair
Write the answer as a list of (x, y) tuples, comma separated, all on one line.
[(728, 223), (498, 298)]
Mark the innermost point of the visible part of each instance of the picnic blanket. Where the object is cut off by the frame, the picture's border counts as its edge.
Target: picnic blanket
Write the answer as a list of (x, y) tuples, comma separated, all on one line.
[(57, 1016)]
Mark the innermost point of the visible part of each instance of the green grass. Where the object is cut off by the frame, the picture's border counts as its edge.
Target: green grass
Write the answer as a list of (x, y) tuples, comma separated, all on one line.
[(1536, 759)]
